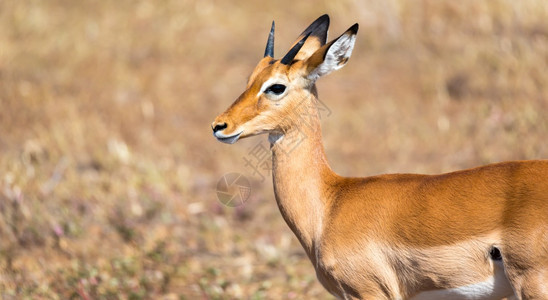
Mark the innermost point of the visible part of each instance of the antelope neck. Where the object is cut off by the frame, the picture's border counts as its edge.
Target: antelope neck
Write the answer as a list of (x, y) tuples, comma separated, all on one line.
[(302, 175)]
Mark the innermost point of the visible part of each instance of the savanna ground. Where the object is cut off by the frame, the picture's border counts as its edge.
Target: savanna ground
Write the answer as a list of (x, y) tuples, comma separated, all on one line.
[(107, 163)]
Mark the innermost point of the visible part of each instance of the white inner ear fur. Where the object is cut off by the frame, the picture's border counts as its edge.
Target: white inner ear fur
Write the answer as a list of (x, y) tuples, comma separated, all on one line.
[(336, 57)]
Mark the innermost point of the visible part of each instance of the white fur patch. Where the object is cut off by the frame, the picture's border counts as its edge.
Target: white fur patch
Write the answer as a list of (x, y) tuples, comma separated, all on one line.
[(336, 57), (265, 85), (271, 81), (495, 288)]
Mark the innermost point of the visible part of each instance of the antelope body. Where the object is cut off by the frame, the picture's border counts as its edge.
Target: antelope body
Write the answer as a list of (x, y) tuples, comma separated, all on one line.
[(480, 233)]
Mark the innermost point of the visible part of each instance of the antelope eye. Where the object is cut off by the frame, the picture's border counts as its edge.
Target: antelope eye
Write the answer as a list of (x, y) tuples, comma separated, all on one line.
[(275, 89)]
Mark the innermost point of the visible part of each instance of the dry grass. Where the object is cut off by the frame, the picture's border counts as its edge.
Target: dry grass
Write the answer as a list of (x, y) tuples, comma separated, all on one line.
[(108, 166)]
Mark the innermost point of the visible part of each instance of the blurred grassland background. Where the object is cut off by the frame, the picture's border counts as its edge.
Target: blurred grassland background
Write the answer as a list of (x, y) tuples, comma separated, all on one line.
[(107, 163)]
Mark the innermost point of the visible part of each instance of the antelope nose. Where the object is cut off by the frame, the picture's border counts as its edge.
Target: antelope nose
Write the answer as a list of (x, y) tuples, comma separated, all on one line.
[(218, 126)]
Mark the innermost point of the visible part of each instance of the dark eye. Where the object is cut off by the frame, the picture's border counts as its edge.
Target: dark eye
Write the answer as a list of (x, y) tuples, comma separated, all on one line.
[(275, 89)]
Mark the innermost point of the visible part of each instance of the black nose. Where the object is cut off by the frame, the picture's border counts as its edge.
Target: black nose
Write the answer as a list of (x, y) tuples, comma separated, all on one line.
[(219, 127)]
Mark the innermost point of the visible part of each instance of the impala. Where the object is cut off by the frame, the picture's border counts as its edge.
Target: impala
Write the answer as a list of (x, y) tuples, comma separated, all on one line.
[(480, 233)]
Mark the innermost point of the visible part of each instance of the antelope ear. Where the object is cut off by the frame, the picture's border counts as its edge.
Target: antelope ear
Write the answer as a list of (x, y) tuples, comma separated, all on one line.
[(332, 56), (317, 37)]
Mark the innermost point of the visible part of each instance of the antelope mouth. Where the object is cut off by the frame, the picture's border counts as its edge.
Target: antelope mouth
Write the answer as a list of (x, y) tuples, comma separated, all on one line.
[(231, 139)]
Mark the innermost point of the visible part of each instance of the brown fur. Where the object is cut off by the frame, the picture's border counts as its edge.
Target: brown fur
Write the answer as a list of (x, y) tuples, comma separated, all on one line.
[(394, 236)]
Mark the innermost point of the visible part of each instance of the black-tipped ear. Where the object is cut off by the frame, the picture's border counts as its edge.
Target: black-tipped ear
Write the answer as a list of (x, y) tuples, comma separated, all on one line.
[(354, 28), (317, 32), (269, 51), (318, 29), (333, 55), (288, 58)]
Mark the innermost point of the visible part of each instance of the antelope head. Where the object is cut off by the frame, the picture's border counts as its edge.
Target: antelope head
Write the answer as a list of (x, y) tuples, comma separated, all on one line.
[(277, 87)]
